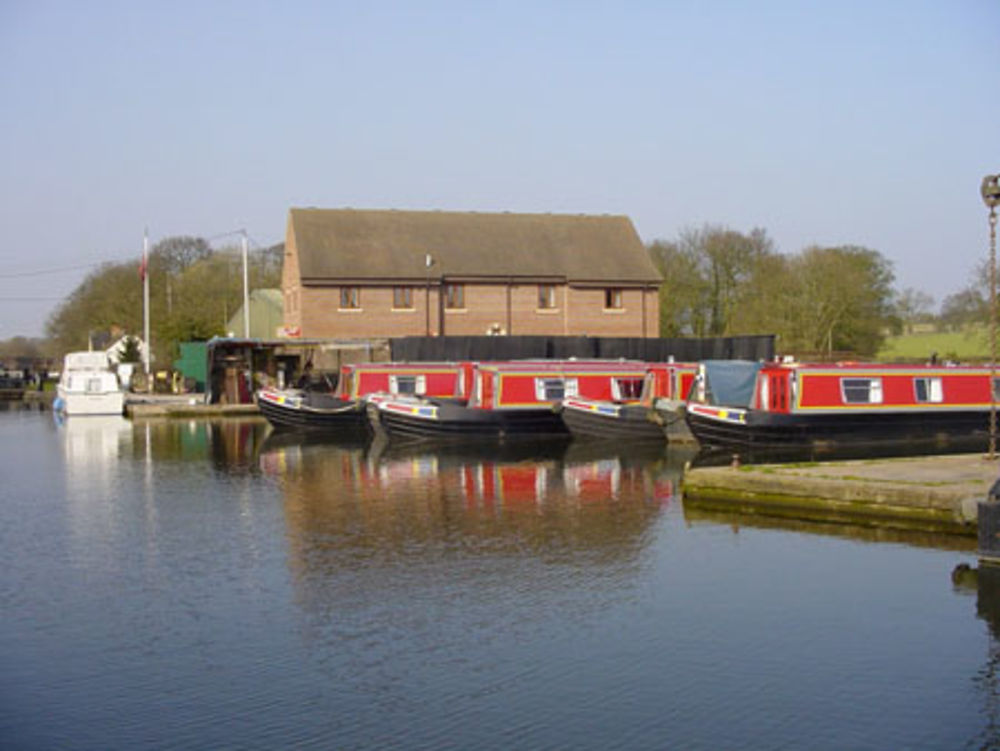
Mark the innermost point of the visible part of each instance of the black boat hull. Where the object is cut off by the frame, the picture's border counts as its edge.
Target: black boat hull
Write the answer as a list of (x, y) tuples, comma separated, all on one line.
[(630, 422), (455, 421), (762, 430), (312, 412)]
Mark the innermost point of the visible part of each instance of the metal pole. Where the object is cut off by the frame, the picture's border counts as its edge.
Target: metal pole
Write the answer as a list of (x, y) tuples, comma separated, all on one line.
[(145, 300), (990, 191), (246, 287), (993, 333)]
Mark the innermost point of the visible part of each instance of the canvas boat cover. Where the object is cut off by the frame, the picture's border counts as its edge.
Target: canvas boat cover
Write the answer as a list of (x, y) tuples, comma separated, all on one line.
[(730, 383)]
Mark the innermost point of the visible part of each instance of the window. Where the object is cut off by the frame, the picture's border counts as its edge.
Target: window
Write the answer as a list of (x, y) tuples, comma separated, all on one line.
[(413, 385), (626, 388), (928, 389), (350, 298), (454, 296), (861, 390), (402, 298), (612, 299), (546, 296), (554, 389)]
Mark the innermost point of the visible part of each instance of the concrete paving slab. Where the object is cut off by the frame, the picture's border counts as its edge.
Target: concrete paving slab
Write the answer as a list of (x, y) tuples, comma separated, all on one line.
[(940, 492)]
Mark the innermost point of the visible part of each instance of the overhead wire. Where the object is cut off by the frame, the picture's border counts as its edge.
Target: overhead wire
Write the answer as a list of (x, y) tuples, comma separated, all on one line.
[(95, 264), (43, 272)]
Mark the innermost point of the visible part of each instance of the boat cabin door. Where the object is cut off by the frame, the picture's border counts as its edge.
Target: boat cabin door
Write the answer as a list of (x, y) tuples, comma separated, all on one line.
[(484, 389), (775, 391)]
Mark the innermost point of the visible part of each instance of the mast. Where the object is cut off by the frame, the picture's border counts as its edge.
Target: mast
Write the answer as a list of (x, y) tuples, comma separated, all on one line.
[(246, 288), (145, 300)]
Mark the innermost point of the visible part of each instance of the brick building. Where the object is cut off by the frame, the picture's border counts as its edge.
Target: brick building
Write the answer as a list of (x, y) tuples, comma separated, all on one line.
[(364, 273)]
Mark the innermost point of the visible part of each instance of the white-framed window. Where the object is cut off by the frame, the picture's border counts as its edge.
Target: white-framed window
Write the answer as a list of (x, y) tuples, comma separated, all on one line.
[(408, 385), (350, 298), (861, 390), (612, 298), (626, 388), (554, 389), (546, 296), (928, 389), (402, 298)]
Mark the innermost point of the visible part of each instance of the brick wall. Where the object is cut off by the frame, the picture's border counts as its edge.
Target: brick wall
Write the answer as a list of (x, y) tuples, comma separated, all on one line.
[(577, 311), (587, 314), (291, 290)]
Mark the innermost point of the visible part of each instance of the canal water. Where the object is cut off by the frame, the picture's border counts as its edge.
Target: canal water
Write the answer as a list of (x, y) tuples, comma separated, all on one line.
[(207, 585)]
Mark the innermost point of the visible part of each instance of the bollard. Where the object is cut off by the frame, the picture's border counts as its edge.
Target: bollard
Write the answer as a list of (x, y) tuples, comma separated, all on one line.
[(989, 526)]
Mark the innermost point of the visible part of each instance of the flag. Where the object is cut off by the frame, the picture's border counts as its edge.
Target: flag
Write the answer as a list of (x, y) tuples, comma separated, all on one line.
[(142, 267)]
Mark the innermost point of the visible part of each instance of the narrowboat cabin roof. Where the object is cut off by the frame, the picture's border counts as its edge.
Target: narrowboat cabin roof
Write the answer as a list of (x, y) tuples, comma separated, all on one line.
[(873, 366), (565, 366)]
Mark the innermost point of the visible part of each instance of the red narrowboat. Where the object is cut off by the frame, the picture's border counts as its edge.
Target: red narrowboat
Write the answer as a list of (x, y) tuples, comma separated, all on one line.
[(343, 408), (745, 405), (640, 408), (507, 399)]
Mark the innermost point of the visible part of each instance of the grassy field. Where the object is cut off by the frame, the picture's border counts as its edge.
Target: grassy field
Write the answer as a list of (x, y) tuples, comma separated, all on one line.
[(969, 345)]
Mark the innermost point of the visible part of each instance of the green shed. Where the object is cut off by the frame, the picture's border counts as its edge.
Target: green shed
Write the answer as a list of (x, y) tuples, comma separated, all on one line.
[(193, 363)]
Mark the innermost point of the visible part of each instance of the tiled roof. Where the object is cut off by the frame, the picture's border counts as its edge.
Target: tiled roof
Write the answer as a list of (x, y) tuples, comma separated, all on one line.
[(337, 244)]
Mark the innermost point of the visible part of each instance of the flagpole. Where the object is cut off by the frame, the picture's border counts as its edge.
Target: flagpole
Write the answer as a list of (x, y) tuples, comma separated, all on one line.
[(145, 300), (246, 289)]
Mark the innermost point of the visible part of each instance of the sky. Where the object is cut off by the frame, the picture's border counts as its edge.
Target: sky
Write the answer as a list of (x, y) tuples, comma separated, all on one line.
[(857, 122)]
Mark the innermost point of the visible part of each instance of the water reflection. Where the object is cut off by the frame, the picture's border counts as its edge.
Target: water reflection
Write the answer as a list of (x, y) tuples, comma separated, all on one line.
[(705, 513), (985, 583), (403, 547), (92, 448), (94, 443), (477, 481), (347, 502), (229, 445), (341, 594)]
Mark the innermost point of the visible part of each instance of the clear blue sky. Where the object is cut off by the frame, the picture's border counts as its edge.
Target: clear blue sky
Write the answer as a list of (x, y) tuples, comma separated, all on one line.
[(864, 122)]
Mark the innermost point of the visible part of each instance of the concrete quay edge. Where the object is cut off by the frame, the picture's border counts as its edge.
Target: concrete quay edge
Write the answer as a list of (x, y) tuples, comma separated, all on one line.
[(938, 493), (183, 407)]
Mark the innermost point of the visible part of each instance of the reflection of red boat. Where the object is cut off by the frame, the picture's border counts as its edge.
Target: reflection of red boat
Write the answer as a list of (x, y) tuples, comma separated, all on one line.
[(594, 481), (635, 409), (509, 399), (747, 405), (344, 408)]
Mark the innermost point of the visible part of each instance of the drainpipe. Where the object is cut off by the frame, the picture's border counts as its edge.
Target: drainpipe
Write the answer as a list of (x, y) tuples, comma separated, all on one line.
[(442, 290), (643, 293), (510, 320), (428, 262)]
